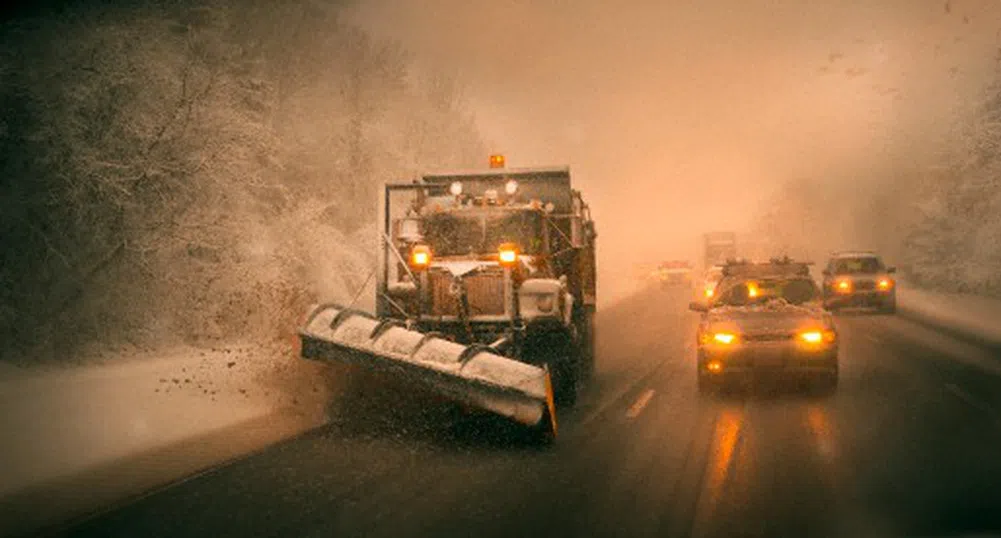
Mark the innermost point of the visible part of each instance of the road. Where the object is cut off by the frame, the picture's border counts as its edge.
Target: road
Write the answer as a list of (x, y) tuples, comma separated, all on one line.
[(909, 446)]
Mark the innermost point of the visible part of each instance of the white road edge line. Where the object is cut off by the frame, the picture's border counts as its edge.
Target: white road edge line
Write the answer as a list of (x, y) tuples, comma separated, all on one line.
[(637, 408), (973, 402)]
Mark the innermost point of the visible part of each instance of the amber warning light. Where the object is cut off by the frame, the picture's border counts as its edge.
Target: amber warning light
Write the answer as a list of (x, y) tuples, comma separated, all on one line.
[(496, 161), (420, 256)]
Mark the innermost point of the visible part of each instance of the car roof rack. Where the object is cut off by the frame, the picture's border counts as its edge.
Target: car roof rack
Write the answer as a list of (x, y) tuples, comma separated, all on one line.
[(775, 266)]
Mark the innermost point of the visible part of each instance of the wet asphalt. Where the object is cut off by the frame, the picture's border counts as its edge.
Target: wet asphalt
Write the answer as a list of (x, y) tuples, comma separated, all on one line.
[(909, 445)]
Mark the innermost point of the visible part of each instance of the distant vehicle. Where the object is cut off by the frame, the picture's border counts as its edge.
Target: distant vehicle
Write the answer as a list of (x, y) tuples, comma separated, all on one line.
[(711, 279), (766, 319), (859, 278), (674, 273), (718, 247)]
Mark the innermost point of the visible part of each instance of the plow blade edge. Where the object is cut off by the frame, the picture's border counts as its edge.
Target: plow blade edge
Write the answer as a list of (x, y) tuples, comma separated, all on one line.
[(474, 375)]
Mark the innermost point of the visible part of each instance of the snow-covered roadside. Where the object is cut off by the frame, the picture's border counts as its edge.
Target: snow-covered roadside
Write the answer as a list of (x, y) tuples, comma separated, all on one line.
[(62, 422), (972, 316)]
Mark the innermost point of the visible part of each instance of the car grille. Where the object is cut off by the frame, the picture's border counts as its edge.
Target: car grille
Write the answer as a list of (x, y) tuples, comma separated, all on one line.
[(484, 290), (769, 337), (865, 285)]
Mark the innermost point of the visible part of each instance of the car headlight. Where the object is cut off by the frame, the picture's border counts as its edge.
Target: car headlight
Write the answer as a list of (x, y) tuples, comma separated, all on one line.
[(843, 286), (545, 303), (884, 284), (719, 338), (817, 337)]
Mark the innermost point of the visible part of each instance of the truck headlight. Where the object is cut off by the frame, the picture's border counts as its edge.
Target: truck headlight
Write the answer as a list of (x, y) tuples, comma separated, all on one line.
[(508, 254), (420, 257)]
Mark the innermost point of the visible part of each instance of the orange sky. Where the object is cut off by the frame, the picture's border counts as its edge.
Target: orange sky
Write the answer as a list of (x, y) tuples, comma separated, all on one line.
[(678, 116)]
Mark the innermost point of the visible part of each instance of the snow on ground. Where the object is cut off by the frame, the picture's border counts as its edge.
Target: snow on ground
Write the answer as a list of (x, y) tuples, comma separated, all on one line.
[(58, 422), (972, 315)]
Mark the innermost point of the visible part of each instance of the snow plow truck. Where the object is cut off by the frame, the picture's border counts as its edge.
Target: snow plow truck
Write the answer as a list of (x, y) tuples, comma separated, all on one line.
[(485, 294)]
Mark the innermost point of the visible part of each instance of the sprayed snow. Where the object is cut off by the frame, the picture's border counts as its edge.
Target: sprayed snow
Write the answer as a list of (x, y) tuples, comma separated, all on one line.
[(506, 372), (398, 341), (356, 331), (60, 422), (440, 352), (776, 305), (460, 268)]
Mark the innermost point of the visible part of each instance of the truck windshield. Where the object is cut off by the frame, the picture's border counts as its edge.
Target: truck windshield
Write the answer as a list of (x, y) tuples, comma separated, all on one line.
[(458, 234)]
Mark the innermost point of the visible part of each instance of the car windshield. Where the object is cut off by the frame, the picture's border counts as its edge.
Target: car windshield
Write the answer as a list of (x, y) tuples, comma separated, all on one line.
[(744, 292), (457, 234), (861, 264)]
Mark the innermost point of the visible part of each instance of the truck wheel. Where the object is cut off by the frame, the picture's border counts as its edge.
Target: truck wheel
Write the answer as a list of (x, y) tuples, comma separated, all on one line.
[(565, 384), (586, 347), (559, 352)]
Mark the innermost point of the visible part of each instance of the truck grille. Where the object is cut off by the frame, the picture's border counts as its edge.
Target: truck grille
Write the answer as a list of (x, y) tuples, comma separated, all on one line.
[(485, 291)]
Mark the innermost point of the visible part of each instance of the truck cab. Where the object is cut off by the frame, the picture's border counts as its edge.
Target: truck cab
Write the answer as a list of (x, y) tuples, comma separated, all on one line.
[(502, 258)]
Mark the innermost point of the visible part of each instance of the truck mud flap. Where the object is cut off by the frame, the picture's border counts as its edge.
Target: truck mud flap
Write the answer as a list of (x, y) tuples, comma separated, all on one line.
[(474, 375)]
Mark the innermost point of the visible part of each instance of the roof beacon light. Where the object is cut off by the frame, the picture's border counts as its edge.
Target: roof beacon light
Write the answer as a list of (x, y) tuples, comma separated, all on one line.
[(455, 188), (496, 161), (511, 187)]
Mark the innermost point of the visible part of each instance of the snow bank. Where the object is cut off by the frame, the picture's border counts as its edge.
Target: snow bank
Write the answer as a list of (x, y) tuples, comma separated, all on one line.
[(63, 422), (972, 316)]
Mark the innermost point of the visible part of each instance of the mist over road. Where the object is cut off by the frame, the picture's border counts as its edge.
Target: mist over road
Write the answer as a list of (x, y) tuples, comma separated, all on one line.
[(906, 447)]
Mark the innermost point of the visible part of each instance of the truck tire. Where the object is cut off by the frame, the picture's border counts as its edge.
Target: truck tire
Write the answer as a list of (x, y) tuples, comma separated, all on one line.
[(558, 350), (586, 346), (566, 381)]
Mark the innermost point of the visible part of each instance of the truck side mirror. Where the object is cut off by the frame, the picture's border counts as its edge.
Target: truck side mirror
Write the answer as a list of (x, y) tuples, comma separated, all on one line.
[(891, 270), (407, 229), (826, 272), (697, 306)]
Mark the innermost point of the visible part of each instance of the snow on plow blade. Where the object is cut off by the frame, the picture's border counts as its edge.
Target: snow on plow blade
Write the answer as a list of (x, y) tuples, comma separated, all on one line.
[(471, 374)]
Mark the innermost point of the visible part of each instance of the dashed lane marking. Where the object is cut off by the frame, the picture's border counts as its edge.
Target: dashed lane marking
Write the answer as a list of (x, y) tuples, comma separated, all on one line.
[(641, 403)]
